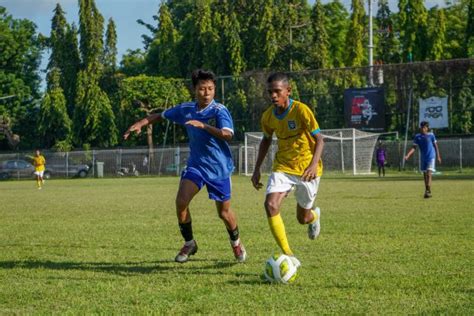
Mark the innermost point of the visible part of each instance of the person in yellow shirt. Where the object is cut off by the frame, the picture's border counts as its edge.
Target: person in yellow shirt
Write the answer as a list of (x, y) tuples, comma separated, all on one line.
[(297, 163), (39, 162)]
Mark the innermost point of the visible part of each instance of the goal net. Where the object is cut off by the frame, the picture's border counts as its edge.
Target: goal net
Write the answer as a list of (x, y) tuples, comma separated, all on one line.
[(346, 150)]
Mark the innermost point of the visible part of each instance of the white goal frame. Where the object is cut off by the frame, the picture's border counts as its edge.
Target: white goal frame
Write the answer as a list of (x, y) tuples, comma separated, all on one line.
[(352, 148)]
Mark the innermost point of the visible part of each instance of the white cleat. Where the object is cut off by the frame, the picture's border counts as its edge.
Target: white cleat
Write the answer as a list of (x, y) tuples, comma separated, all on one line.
[(315, 228)]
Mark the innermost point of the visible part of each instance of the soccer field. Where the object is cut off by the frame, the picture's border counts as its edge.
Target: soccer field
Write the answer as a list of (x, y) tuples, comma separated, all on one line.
[(107, 246)]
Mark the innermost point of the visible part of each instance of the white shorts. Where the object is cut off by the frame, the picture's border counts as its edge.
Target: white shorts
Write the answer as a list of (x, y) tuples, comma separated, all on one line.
[(39, 173), (305, 191)]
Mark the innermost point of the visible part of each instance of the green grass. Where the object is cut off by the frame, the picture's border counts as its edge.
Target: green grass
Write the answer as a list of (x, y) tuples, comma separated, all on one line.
[(107, 246)]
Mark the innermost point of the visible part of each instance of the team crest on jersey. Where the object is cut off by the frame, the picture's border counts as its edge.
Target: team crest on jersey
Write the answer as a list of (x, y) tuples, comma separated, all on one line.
[(291, 125), (212, 122)]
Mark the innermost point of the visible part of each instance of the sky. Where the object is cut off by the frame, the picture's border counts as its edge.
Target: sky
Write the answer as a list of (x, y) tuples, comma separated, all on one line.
[(125, 13)]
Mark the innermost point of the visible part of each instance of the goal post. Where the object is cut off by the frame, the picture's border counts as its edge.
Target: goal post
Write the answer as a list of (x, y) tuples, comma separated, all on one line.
[(345, 149)]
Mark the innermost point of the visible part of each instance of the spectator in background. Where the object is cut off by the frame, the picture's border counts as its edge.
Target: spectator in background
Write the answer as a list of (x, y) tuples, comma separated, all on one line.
[(381, 157)]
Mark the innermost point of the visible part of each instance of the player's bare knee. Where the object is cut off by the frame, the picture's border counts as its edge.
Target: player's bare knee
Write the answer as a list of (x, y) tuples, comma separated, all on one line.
[(271, 207)]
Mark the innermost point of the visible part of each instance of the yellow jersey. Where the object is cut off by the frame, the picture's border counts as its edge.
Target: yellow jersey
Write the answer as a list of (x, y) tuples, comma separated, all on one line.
[(39, 162), (295, 130)]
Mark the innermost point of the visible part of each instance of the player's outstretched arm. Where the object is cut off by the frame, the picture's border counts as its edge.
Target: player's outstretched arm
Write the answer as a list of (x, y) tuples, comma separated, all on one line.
[(438, 155), (137, 126), (262, 152), (410, 152)]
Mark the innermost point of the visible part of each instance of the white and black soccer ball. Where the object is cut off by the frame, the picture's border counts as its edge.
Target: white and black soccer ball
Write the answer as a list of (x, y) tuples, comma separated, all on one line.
[(280, 269)]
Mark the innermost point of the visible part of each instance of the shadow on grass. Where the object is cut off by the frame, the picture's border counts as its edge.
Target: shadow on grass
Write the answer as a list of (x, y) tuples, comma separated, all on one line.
[(127, 268)]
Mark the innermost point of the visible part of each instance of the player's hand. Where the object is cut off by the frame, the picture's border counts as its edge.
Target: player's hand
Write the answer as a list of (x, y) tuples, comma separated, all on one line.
[(439, 160), (256, 180), (137, 128), (310, 174), (195, 123)]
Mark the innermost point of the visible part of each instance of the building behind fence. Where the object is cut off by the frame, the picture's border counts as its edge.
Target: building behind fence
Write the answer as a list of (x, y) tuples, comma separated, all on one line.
[(456, 154)]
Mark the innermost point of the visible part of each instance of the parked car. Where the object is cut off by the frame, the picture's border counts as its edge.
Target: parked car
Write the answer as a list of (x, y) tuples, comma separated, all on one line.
[(23, 169), (76, 171), (19, 169)]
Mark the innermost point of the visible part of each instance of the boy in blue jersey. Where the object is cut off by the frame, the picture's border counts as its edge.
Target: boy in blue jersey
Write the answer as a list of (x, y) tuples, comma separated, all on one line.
[(209, 126), (429, 151)]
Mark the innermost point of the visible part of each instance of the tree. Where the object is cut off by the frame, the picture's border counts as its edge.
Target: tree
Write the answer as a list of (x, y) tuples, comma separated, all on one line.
[(20, 49), (94, 120), (54, 124), (336, 22), (110, 49), (197, 46), (319, 54), (355, 35), (142, 95), (469, 37), (387, 48), (161, 57), (64, 55), (230, 46), (133, 63), (437, 34), (413, 29), (91, 28)]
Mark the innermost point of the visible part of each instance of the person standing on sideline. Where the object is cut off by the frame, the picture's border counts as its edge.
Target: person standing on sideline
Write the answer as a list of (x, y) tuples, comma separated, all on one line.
[(381, 157), (209, 126), (297, 163), (39, 163), (429, 151)]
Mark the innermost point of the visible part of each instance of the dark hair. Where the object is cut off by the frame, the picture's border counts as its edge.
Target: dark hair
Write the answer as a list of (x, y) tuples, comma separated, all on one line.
[(278, 76), (424, 123), (202, 75)]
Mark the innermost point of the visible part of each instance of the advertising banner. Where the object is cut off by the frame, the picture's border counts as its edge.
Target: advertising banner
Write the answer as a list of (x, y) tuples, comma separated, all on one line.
[(434, 110), (364, 109)]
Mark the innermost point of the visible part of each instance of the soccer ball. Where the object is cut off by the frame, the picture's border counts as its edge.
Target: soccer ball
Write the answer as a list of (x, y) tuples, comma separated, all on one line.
[(280, 269)]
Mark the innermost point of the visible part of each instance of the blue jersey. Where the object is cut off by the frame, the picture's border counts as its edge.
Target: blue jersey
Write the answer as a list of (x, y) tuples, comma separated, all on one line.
[(210, 155), (426, 144)]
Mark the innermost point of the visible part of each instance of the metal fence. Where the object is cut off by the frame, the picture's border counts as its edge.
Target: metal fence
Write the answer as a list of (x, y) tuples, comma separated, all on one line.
[(456, 154)]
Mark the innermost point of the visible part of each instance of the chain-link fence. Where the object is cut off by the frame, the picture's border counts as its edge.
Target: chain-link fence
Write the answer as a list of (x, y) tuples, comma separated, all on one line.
[(456, 154)]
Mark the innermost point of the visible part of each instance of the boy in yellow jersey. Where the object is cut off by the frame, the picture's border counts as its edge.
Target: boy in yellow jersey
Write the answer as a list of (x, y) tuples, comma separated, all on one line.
[(39, 162), (297, 162)]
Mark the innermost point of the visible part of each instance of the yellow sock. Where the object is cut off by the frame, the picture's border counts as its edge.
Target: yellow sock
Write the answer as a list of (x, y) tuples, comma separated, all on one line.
[(38, 183), (315, 217), (278, 230)]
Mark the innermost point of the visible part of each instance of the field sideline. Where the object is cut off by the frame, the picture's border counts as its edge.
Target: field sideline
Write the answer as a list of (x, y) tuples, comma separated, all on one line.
[(107, 246)]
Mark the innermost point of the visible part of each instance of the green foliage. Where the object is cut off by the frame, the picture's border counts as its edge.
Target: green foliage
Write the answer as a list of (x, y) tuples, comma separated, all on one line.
[(64, 55), (387, 46), (161, 59), (337, 22), (355, 36), (437, 34), (142, 95), (133, 63), (320, 53), (413, 26), (54, 124), (91, 29), (110, 49), (94, 120)]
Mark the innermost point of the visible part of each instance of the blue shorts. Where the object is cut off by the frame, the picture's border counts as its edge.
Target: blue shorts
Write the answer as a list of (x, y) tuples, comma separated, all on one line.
[(218, 190), (428, 164)]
